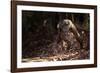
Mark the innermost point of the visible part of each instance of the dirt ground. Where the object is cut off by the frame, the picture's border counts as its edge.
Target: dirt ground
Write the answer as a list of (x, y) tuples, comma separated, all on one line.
[(71, 55)]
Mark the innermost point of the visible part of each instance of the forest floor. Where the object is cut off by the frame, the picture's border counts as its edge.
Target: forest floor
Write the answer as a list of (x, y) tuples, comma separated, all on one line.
[(57, 51), (71, 55)]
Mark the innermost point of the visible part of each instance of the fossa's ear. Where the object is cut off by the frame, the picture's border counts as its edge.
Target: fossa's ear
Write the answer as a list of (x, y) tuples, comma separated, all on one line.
[(58, 25)]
